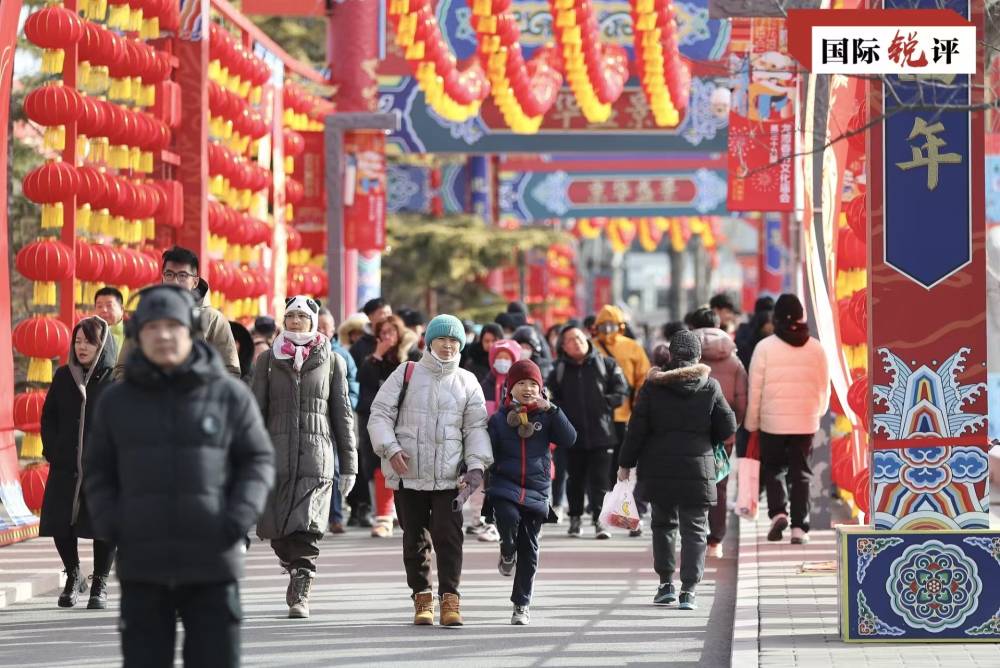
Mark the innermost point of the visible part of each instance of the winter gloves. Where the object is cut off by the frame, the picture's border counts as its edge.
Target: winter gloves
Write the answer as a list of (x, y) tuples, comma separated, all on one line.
[(347, 483), (471, 481)]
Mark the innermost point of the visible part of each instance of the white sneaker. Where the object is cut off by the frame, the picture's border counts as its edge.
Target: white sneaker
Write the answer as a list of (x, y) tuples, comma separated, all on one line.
[(715, 551), (489, 534), (799, 537), (520, 616)]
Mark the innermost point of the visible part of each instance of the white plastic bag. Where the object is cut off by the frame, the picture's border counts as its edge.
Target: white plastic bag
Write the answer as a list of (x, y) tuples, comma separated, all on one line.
[(748, 500), (619, 506)]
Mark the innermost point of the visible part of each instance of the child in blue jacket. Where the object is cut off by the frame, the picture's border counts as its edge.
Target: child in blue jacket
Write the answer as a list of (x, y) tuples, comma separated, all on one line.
[(520, 480)]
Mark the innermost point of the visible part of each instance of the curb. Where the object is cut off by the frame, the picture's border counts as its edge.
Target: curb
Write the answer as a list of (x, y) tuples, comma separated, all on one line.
[(746, 621), (29, 586)]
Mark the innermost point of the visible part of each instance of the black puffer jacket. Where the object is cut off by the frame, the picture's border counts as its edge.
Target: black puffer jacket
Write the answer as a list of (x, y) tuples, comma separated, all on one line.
[(589, 392), (679, 415), (68, 411), (178, 469)]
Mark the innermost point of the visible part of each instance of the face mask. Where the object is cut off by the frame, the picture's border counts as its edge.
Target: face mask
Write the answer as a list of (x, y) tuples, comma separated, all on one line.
[(502, 366), (525, 354)]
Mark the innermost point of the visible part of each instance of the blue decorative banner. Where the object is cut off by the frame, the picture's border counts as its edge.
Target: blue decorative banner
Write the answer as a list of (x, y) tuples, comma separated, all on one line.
[(927, 169), (565, 130), (533, 196), (919, 586), (455, 188), (408, 189)]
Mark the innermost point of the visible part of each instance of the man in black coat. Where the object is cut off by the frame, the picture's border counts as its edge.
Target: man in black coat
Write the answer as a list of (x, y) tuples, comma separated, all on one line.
[(179, 466), (679, 416), (588, 387)]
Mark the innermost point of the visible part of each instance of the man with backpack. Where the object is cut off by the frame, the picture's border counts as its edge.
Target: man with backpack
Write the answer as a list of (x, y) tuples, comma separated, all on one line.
[(588, 387)]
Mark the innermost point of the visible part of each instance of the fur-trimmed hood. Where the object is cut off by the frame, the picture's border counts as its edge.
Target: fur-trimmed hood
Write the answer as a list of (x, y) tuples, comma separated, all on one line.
[(684, 379)]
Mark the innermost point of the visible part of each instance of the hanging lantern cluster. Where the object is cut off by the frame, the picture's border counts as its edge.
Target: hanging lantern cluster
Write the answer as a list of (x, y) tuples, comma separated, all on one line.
[(234, 234), (456, 94), (236, 181), (234, 68), (236, 289), (596, 71), (294, 146), (303, 110), (622, 232), (116, 137), (307, 280), (665, 79), (523, 91), (233, 121)]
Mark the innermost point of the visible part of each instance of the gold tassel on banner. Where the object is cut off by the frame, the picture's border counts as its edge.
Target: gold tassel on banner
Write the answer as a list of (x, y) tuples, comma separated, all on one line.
[(39, 370), (31, 446)]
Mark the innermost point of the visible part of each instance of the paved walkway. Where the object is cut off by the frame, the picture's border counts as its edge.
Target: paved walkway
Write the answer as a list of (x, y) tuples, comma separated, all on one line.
[(592, 608), (786, 613)]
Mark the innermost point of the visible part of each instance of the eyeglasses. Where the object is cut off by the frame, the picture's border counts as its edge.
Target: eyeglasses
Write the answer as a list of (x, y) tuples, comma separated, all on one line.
[(177, 275)]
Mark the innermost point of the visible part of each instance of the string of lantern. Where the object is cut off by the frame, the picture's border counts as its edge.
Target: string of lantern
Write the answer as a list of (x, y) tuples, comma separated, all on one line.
[(524, 90), (455, 93), (621, 232)]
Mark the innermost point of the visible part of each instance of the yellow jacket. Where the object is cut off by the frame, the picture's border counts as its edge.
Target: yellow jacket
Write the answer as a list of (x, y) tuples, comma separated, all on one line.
[(627, 352)]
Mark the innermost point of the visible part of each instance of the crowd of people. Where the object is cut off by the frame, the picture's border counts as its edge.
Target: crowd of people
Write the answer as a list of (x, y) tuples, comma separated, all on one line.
[(171, 434)]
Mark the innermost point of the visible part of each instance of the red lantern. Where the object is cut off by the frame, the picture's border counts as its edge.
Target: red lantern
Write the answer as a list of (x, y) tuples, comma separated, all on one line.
[(859, 310), (856, 212), (862, 490), (51, 185), (33, 480), (53, 29), (28, 410), (53, 106), (857, 399), (41, 338), (45, 261), (852, 252)]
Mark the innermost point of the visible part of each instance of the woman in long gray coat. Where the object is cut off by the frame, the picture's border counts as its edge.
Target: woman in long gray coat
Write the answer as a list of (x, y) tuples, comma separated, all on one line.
[(301, 389)]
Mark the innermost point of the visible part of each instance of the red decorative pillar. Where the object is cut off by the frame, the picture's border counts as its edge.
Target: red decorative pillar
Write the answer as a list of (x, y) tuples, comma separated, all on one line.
[(191, 49), (353, 54)]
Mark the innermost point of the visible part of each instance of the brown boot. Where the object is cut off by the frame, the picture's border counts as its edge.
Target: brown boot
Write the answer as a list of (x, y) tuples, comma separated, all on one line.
[(423, 609), (451, 612)]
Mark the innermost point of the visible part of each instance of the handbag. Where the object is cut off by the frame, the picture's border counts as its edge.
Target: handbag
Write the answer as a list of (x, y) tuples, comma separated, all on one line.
[(723, 465)]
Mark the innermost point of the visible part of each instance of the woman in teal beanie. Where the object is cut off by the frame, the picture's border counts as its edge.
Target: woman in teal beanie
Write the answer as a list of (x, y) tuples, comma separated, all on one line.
[(428, 424)]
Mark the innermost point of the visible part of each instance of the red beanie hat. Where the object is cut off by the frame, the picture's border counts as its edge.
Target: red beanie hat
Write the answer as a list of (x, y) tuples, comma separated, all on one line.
[(524, 370)]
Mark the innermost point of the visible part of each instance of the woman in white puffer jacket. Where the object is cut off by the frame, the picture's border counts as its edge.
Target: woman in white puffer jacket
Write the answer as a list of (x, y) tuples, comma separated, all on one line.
[(789, 394), (426, 439)]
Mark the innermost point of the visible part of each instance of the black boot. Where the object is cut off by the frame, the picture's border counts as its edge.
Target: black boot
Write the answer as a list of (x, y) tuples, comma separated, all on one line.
[(76, 584), (98, 593), (364, 516)]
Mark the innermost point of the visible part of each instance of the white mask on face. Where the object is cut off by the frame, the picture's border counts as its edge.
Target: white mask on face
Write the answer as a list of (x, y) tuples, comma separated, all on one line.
[(525, 354), (502, 366)]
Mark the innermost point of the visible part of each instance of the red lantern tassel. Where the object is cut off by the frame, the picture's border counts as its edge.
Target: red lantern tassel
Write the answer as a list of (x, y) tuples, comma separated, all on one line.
[(39, 370), (31, 446)]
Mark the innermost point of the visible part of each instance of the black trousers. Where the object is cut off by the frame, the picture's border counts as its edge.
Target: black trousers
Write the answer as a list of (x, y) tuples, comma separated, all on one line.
[(560, 457), (429, 523), (211, 615), (518, 528), (588, 471), (718, 514), (784, 463), (693, 524), (104, 554), (298, 550)]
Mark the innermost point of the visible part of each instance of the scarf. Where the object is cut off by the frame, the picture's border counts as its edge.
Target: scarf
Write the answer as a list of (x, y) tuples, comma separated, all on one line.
[(517, 417), (296, 346)]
